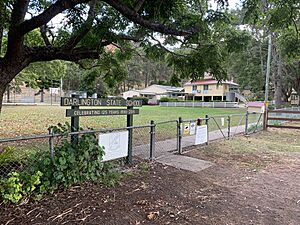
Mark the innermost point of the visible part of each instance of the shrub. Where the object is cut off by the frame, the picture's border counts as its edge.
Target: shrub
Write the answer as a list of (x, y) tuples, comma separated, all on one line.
[(71, 164), (166, 99), (19, 185)]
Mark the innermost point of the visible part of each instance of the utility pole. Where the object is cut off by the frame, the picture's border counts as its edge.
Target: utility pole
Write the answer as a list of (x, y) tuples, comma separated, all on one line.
[(60, 87), (268, 68)]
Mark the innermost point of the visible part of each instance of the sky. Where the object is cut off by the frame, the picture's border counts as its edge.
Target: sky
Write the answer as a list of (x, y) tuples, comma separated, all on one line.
[(232, 3)]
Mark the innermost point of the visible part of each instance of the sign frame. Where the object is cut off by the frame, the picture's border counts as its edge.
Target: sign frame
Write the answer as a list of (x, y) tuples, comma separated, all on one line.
[(75, 102), (109, 102)]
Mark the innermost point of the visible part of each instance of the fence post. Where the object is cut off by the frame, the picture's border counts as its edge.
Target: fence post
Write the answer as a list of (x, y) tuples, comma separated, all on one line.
[(206, 123), (265, 121), (247, 121), (130, 135), (152, 140), (51, 143), (179, 135), (74, 123), (228, 127)]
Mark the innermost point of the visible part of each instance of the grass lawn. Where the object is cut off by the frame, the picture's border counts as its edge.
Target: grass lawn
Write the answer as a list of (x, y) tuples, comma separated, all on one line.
[(26, 120)]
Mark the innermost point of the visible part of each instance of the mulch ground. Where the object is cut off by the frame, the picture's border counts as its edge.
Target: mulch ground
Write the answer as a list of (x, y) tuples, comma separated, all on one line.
[(230, 192)]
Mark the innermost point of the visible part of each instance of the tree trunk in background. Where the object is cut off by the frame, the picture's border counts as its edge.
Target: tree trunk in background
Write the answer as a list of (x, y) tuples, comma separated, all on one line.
[(8, 93), (42, 95), (146, 79), (6, 76)]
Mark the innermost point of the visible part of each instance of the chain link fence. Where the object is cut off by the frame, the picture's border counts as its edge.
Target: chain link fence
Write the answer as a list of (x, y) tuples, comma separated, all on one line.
[(148, 142)]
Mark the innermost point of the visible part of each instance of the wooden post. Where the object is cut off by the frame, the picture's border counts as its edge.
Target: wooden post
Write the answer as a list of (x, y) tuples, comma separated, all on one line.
[(265, 123), (74, 124)]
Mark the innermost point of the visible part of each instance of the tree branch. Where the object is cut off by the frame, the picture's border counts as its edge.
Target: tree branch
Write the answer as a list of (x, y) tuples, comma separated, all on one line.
[(49, 53), (40, 54), (134, 17), (44, 35), (138, 5), (15, 42), (85, 28), (47, 15), (164, 48)]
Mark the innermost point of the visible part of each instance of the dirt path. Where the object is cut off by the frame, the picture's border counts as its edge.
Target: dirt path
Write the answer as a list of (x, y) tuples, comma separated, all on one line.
[(243, 187)]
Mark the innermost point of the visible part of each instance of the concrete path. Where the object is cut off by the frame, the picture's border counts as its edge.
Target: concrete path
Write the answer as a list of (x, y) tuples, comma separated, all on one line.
[(184, 162)]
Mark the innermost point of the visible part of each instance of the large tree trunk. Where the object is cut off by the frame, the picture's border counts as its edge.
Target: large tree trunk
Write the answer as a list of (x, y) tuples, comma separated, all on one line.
[(8, 71), (2, 90)]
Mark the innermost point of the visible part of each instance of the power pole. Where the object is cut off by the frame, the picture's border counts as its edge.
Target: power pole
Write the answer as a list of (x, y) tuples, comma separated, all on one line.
[(268, 68)]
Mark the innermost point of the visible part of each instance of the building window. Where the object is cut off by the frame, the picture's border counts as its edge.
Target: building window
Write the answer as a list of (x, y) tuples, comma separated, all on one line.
[(205, 87), (194, 87)]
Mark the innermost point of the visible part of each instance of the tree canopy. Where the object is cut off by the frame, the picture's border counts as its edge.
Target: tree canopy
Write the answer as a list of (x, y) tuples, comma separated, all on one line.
[(75, 30)]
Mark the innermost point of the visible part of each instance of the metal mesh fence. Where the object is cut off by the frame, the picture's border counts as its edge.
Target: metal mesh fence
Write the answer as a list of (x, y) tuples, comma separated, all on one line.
[(255, 122), (218, 127), (18, 154), (21, 155), (166, 137), (141, 142)]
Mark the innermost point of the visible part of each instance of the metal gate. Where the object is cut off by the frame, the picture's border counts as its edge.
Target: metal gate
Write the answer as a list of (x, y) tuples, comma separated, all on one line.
[(166, 137)]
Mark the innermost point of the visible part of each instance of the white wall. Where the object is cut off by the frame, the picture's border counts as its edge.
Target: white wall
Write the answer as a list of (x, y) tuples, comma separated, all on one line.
[(130, 94)]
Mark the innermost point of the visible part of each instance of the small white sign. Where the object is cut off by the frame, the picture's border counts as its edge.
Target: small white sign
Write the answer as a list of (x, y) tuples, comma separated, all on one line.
[(186, 128), (53, 91), (192, 128), (115, 145), (201, 135), (222, 121)]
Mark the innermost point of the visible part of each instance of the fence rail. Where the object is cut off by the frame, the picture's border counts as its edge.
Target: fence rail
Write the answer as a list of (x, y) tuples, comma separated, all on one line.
[(200, 104), (279, 117)]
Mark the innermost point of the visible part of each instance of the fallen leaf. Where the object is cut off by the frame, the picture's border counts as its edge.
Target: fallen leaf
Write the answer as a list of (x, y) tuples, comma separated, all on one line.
[(152, 215)]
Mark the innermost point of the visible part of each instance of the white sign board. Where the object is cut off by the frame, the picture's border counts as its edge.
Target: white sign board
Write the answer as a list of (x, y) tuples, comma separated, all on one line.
[(53, 91), (192, 128), (222, 121), (201, 135), (115, 145)]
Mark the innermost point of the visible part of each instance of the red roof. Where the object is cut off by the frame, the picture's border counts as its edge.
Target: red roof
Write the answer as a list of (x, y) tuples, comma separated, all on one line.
[(209, 81)]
